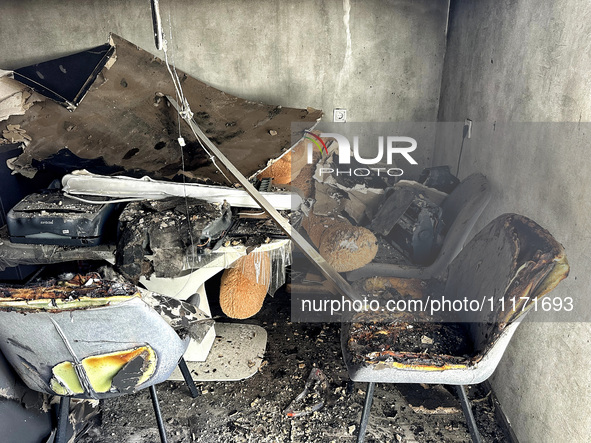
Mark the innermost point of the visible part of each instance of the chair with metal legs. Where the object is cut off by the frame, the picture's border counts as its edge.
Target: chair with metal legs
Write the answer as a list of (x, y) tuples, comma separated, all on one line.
[(94, 339), (505, 269), (64, 407), (460, 211)]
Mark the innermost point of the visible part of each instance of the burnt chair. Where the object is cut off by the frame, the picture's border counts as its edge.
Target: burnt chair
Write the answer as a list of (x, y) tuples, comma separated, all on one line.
[(89, 338), (505, 270), (460, 211)]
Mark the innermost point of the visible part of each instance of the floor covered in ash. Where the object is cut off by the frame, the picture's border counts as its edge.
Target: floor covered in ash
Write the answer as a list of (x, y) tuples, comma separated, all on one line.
[(251, 410)]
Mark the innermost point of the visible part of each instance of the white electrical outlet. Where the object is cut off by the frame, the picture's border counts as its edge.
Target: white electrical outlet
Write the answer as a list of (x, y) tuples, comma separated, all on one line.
[(339, 115)]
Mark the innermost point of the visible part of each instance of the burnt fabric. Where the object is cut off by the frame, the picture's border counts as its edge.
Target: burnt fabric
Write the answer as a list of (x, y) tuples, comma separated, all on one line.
[(157, 236), (511, 259)]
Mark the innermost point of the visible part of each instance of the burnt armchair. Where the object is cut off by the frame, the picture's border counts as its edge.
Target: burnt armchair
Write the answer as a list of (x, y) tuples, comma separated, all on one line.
[(460, 211), (497, 278), (94, 339)]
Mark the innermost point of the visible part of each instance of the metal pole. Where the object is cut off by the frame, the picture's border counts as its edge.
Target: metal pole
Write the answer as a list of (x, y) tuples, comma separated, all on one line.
[(309, 251), (62, 420), (157, 24), (188, 378), (159, 421), (476, 438), (366, 412)]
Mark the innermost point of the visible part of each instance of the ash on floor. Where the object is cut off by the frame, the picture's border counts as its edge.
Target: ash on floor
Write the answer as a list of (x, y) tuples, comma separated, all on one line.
[(252, 410)]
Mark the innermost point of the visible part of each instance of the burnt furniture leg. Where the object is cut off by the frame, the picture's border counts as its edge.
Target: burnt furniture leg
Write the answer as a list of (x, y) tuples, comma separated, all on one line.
[(466, 407), (62, 420), (366, 410), (187, 376), (158, 414)]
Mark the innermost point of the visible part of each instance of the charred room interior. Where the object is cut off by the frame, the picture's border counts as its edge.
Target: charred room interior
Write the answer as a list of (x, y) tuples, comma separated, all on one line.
[(317, 221)]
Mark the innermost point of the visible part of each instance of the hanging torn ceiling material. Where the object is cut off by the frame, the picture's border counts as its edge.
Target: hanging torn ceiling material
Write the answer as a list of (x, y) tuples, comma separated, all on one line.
[(15, 99), (125, 120)]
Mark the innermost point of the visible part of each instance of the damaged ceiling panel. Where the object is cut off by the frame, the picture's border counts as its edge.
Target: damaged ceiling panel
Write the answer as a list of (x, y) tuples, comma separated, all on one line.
[(125, 120)]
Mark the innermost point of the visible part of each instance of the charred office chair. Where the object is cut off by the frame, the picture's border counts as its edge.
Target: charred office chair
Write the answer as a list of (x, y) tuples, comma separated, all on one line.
[(94, 339), (460, 211), (508, 267)]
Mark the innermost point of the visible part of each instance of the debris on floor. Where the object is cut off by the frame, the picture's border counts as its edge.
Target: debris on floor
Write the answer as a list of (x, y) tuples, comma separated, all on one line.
[(311, 399), (252, 409), (156, 236), (238, 353), (429, 399)]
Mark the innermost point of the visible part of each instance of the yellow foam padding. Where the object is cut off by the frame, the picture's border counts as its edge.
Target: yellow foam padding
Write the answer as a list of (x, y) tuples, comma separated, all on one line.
[(559, 272), (427, 368), (65, 381), (100, 370), (63, 305)]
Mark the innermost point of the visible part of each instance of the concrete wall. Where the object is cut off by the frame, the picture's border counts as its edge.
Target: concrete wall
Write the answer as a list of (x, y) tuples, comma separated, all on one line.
[(530, 61), (510, 61), (358, 55)]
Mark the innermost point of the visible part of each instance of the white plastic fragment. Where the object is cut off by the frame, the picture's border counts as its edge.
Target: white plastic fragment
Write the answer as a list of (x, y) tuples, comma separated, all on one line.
[(84, 183)]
